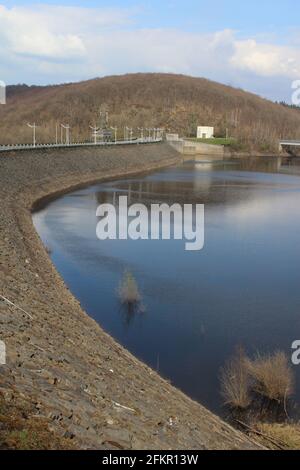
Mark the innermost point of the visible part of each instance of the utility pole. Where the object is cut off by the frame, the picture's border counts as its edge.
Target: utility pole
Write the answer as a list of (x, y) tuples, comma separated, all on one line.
[(33, 126), (56, 134), (95, 131)]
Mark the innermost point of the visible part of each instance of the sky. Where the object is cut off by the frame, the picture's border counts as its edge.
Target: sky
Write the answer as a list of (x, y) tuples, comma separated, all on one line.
[(254, 45)]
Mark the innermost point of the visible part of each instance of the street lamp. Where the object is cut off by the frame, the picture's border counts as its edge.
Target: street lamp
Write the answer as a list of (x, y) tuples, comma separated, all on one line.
[(149, 131), (33, 126), (130, 130), (67, 128), (116, 131), (95, 133), (142, 132)]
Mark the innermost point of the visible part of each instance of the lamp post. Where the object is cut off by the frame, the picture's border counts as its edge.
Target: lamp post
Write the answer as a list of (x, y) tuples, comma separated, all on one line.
[(33, 126), (149, 133), (116, 131), (95, 131), (130, 131), (142, 132), (67, 128)]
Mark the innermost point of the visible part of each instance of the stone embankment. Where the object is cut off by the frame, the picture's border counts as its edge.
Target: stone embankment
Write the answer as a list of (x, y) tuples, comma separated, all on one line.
[(89, 387)]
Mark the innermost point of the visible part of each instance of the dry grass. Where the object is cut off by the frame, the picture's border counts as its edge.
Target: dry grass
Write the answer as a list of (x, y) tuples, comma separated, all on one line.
[(128, 290), (20, 429), (286, 435), (273, 376), (235, 382)]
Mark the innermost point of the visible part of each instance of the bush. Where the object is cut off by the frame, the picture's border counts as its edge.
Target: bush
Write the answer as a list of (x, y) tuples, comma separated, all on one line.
[(235, 381), (128, 290), (273, 376)]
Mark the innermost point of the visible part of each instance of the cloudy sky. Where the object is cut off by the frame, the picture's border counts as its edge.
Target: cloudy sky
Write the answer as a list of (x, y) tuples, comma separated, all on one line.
[(255, 46)]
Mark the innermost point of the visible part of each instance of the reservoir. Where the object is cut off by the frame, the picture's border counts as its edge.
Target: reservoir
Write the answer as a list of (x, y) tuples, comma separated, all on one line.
[(242, 288)]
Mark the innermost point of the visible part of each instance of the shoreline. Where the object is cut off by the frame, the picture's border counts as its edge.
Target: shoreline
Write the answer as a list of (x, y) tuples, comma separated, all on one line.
[(73, 373)]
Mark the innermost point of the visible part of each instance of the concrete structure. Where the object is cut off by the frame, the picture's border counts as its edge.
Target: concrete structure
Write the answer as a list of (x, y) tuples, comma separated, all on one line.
[(204, 132), (288, 144), (172, 137), (191, 148)]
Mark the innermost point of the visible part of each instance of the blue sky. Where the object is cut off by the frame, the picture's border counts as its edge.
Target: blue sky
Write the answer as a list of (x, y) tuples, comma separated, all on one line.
[(252, 17), (254, 45)]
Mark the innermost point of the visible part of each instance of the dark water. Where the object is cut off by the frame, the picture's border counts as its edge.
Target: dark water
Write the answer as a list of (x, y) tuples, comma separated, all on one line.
[(243, 288)]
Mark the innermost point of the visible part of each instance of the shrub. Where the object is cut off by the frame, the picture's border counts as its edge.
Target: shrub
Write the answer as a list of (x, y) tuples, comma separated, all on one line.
[(235, 381), (128, 290), (273, 376)]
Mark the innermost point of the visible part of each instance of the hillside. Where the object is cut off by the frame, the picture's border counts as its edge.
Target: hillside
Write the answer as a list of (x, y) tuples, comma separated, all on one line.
[(176, 102)]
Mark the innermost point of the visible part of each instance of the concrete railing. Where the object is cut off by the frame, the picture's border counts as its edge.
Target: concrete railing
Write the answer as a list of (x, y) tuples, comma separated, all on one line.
[(7, 148)]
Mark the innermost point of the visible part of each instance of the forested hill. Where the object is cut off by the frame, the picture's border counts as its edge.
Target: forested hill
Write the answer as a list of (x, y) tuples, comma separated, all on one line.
[(175, 102)]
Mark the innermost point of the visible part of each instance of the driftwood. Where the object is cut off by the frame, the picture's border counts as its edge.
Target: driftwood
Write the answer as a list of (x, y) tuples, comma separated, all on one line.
[(280, 446)]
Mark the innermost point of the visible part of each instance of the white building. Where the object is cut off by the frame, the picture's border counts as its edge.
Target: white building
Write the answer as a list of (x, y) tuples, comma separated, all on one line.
[(204, 132)]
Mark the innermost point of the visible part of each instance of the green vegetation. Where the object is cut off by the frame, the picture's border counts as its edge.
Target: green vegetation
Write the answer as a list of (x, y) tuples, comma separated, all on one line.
[(217, 141)]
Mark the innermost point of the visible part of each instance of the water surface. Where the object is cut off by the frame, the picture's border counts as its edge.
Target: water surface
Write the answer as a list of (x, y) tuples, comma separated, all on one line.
[(243, 288)]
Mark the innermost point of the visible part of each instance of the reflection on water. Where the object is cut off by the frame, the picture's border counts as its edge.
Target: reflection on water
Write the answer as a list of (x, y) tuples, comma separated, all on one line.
[(242, 288)]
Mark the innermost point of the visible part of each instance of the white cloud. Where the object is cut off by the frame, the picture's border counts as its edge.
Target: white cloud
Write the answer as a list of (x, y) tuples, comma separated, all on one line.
[(54, 44), (53, 32), (266, 59)]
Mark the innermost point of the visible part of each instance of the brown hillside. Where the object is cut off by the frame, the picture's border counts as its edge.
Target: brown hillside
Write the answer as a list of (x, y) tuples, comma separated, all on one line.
[(176, 102)]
